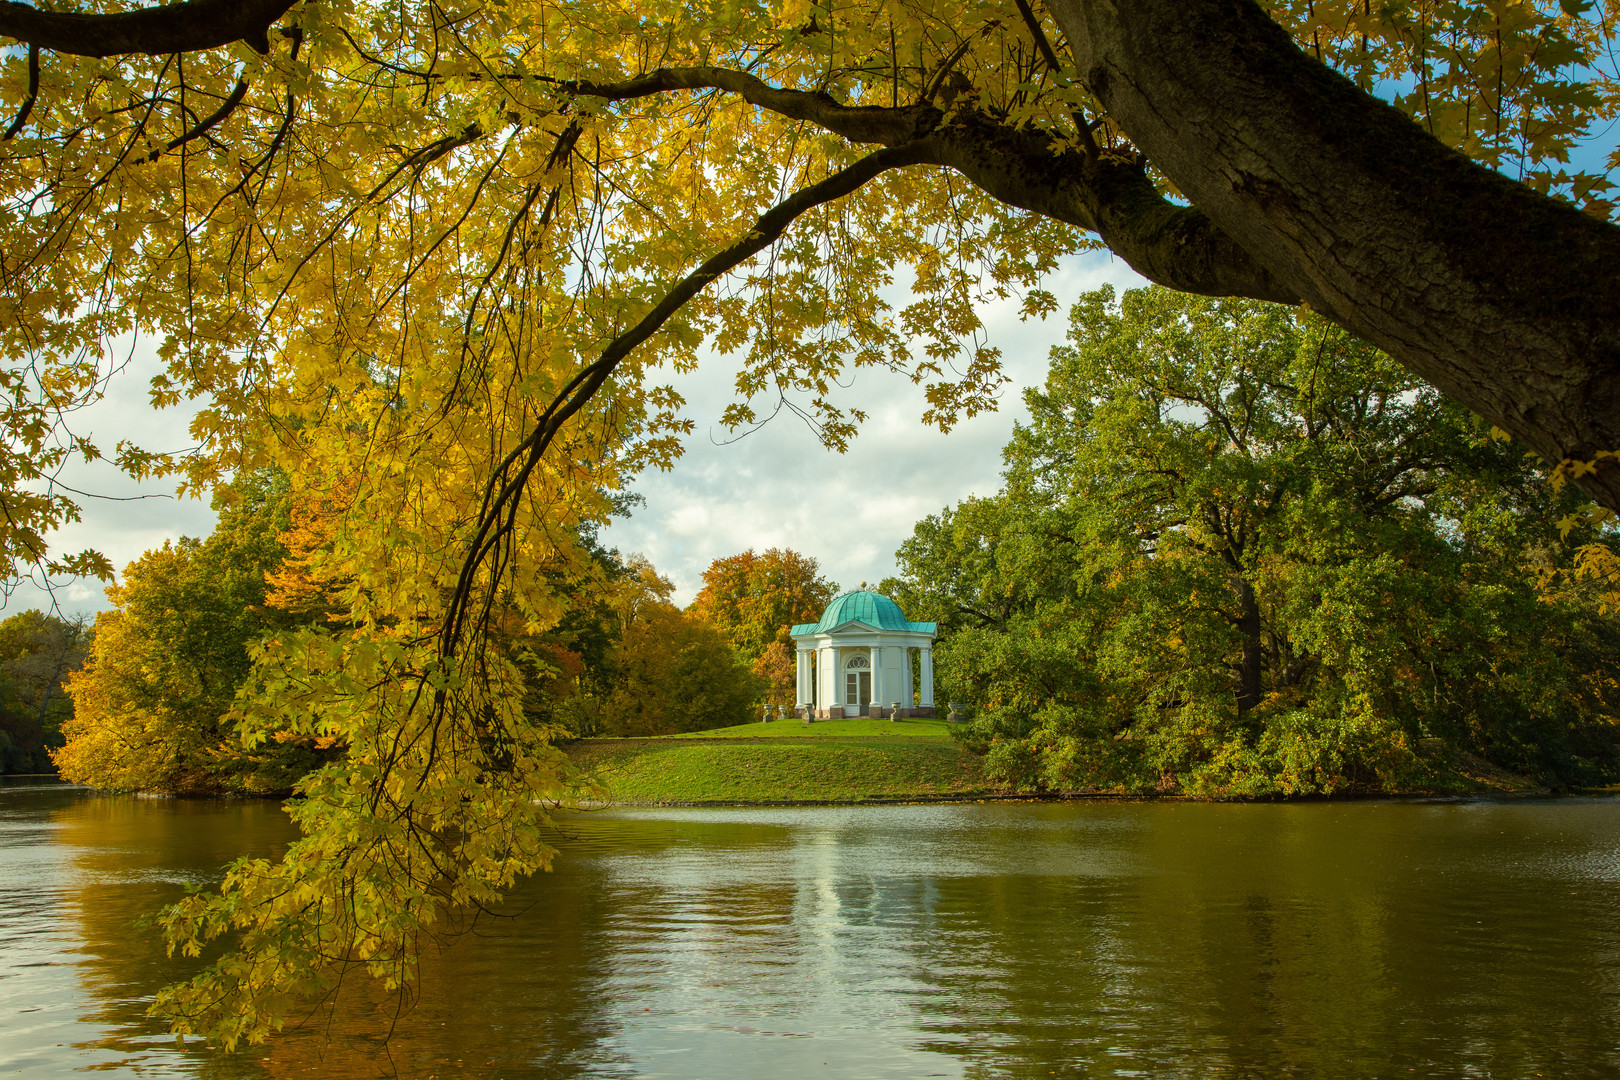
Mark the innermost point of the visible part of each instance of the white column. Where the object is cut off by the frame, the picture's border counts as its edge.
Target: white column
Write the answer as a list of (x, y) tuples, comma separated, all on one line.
[(926, 698), (905, 679), (877, 676), (806, 690), (834, 681)]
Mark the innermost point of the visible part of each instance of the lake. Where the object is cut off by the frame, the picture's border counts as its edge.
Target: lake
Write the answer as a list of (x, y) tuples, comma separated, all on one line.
[(1449, 939)]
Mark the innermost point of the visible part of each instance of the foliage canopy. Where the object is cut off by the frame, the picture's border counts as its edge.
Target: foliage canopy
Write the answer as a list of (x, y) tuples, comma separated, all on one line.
[(153, 704), (756, 598), (1239, 552)]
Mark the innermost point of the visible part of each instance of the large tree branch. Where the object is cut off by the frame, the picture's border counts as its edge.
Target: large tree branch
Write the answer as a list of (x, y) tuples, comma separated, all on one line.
[(498, 510), (157, 31), (1176, 246), (1505, 299)]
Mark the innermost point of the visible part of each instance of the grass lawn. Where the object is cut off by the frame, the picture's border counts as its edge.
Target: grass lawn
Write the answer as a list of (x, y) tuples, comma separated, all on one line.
[(776, 769), (860, 726)]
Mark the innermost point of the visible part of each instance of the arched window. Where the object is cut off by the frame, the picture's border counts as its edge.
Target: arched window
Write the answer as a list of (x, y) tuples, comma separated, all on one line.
[(858, 663)]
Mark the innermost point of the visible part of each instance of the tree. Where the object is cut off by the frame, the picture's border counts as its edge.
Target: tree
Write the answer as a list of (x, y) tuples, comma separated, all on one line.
[(642, 666), (153, 704), (1239, 551), (1302, 183), (676, 672), (38, 652), (426, 263), (777, 671), (1365, 216), (755, 600)]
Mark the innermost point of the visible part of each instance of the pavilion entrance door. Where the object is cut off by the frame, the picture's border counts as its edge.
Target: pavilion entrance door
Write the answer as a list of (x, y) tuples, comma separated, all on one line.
[(857, 683)]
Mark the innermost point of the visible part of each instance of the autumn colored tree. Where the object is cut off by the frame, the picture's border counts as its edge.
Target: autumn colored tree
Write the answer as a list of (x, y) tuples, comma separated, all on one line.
[(673, 672), (439, 255), (152, 707), (1240, 552), (777, 670), (755, 599)]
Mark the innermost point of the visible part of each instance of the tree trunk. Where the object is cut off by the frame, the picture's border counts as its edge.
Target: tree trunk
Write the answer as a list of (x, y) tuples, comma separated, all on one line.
[(1506, 300), (1250, 685)]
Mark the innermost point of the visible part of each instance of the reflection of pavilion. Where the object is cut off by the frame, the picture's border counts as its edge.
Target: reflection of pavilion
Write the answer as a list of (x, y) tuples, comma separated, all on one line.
[(857, 660)]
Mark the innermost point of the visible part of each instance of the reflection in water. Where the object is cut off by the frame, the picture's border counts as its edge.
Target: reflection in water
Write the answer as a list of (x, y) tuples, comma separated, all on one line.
[(1188, 940)]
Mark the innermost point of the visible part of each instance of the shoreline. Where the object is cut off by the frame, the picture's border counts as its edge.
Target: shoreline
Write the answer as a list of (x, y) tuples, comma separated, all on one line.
[(822, 769), (1098, 796)]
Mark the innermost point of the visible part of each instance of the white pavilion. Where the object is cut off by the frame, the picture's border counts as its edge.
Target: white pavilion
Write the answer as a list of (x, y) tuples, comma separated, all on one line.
[(857, 660)]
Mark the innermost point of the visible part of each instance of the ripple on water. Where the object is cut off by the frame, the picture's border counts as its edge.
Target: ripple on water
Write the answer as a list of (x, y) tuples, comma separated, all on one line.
[(985, 941)]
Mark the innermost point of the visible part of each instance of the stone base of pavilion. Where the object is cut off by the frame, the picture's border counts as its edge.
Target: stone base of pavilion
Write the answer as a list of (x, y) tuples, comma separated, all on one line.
[(846, 712)]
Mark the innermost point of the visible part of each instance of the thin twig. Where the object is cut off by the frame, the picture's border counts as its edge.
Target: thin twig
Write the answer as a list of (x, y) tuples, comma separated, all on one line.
[(202, 127)]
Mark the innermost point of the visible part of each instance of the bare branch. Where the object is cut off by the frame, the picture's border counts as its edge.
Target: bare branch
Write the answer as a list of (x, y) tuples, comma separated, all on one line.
[(202, 126)]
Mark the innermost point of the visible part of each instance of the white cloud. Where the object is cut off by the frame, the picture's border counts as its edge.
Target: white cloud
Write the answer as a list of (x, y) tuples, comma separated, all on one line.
[(120, 517)]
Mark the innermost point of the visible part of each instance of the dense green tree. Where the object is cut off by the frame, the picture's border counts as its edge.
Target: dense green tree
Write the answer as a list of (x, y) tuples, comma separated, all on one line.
[(167, 661), (1239, 551), (38, 652)]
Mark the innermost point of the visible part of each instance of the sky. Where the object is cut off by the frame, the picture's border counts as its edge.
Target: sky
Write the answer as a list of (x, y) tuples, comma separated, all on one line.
[(779, 487), (776, 487), (120, 518)]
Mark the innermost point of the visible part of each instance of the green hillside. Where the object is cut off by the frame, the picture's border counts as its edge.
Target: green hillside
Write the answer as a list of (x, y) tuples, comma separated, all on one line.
[(780, 767)]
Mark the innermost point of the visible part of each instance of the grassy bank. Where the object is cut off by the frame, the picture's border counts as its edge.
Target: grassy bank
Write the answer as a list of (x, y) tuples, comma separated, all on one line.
[(779, 768), (866, 760), (862, 726)]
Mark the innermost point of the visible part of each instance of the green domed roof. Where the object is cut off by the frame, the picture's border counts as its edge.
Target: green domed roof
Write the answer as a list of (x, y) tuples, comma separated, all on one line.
[(864, 606)]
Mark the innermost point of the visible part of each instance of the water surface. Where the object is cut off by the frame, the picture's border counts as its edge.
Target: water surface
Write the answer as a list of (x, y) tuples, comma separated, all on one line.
[(1002, 940)]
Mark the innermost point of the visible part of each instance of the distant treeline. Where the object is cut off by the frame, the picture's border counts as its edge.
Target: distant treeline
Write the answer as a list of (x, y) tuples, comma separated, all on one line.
[(156, 706)]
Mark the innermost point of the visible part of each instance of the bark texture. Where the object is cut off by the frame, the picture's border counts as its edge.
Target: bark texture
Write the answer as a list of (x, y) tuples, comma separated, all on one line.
[(156, 31), (1506, 300)]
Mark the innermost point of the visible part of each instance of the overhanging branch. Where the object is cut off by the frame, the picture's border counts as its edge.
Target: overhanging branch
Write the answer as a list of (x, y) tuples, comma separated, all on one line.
[(1176, 246), (498, 512), (155, 31)]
